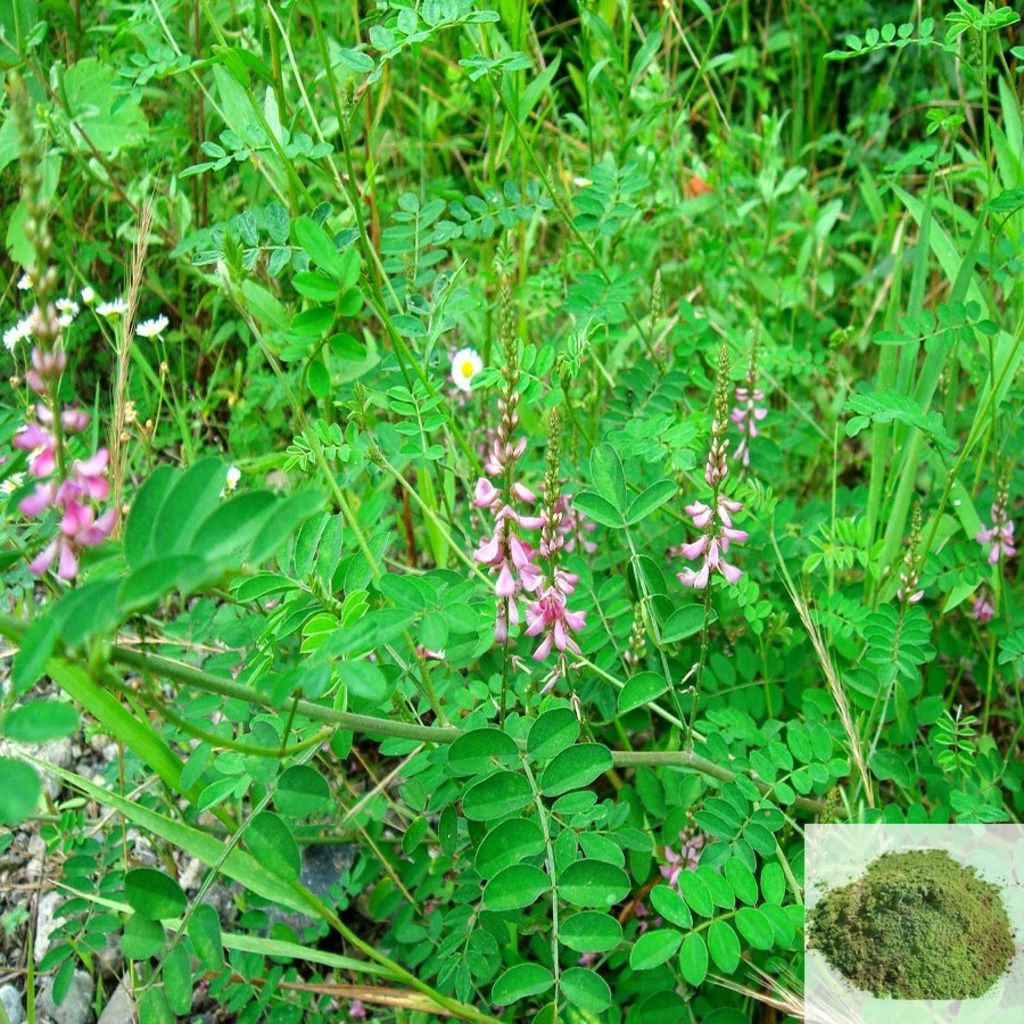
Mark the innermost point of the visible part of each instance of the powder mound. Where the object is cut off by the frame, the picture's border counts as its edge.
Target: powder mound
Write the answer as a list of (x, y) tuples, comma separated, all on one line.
[(916, 925)]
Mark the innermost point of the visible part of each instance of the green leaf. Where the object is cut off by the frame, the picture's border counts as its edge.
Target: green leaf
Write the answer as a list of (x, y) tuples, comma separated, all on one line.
[(39, 721), (721, 892), (153, 895), (19, 795), (301, 791), (755, 928), (414, 834), (315, 286), (318, 246), (192, 497), (481, 750), (552, 733), (653, 948), (742, 880), (593, 506), (178, 980), (515, 887), (773, 883), (500, 794), (204, 931), (653, 498), (519, 982), (724, 946), (586, 989), (590, 931), (696, 894), (671, 906), (693, 959), (607, 477), (271, 842), (574, 768), (364, 681), (37, 645), (153, 1007), (142, 938), (509, 842), (593, 883), (641, 689), (685, 622), (138, 529)]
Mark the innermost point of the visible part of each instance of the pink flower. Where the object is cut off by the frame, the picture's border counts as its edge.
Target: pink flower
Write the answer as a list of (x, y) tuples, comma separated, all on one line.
[(746, 415), (686, 858), (999, 536), (982, 609), (550, 616), (72, 495), (357, 1011), (712, 545)]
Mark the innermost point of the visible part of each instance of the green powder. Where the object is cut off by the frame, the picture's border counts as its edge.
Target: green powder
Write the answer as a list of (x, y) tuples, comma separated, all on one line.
[(916, 925)]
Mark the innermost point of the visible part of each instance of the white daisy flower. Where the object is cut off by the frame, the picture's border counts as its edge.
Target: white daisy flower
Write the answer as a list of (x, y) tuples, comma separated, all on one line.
[(12, 483), (24, 282), (466, 364), (152, 328), (21, 330), (231, 481), (88, 295), (116, 307), (68, 310)]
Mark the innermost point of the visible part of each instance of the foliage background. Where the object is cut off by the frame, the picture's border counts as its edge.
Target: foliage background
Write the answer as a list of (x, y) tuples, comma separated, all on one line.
[(604, 195)]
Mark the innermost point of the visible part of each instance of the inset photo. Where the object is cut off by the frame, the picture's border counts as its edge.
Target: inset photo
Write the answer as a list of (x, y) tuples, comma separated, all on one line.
[(921, 921)]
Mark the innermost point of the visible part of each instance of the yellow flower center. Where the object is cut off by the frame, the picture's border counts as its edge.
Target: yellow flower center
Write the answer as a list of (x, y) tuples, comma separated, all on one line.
[(467, 369)]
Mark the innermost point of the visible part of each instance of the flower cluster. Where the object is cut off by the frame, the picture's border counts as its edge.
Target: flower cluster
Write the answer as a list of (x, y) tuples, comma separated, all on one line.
[(549, 616), (714, 520), (982, 609), (999, 536), (72, 492), (747, 413), (686, 858), (505, 551)]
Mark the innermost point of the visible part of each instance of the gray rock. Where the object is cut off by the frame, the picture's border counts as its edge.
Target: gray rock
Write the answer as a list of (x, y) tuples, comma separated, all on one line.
[(46, 923), (37, 855), (10, 998), (61, 753), (76, 1008), (120, 1008), (323, 865)]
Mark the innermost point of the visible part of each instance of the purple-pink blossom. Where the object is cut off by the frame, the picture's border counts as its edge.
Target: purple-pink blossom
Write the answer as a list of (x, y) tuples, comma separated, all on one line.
[(982, 609), (712, 546), (550, 615), (999, 536), (746, 415), (686, 858), (72, 492)]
